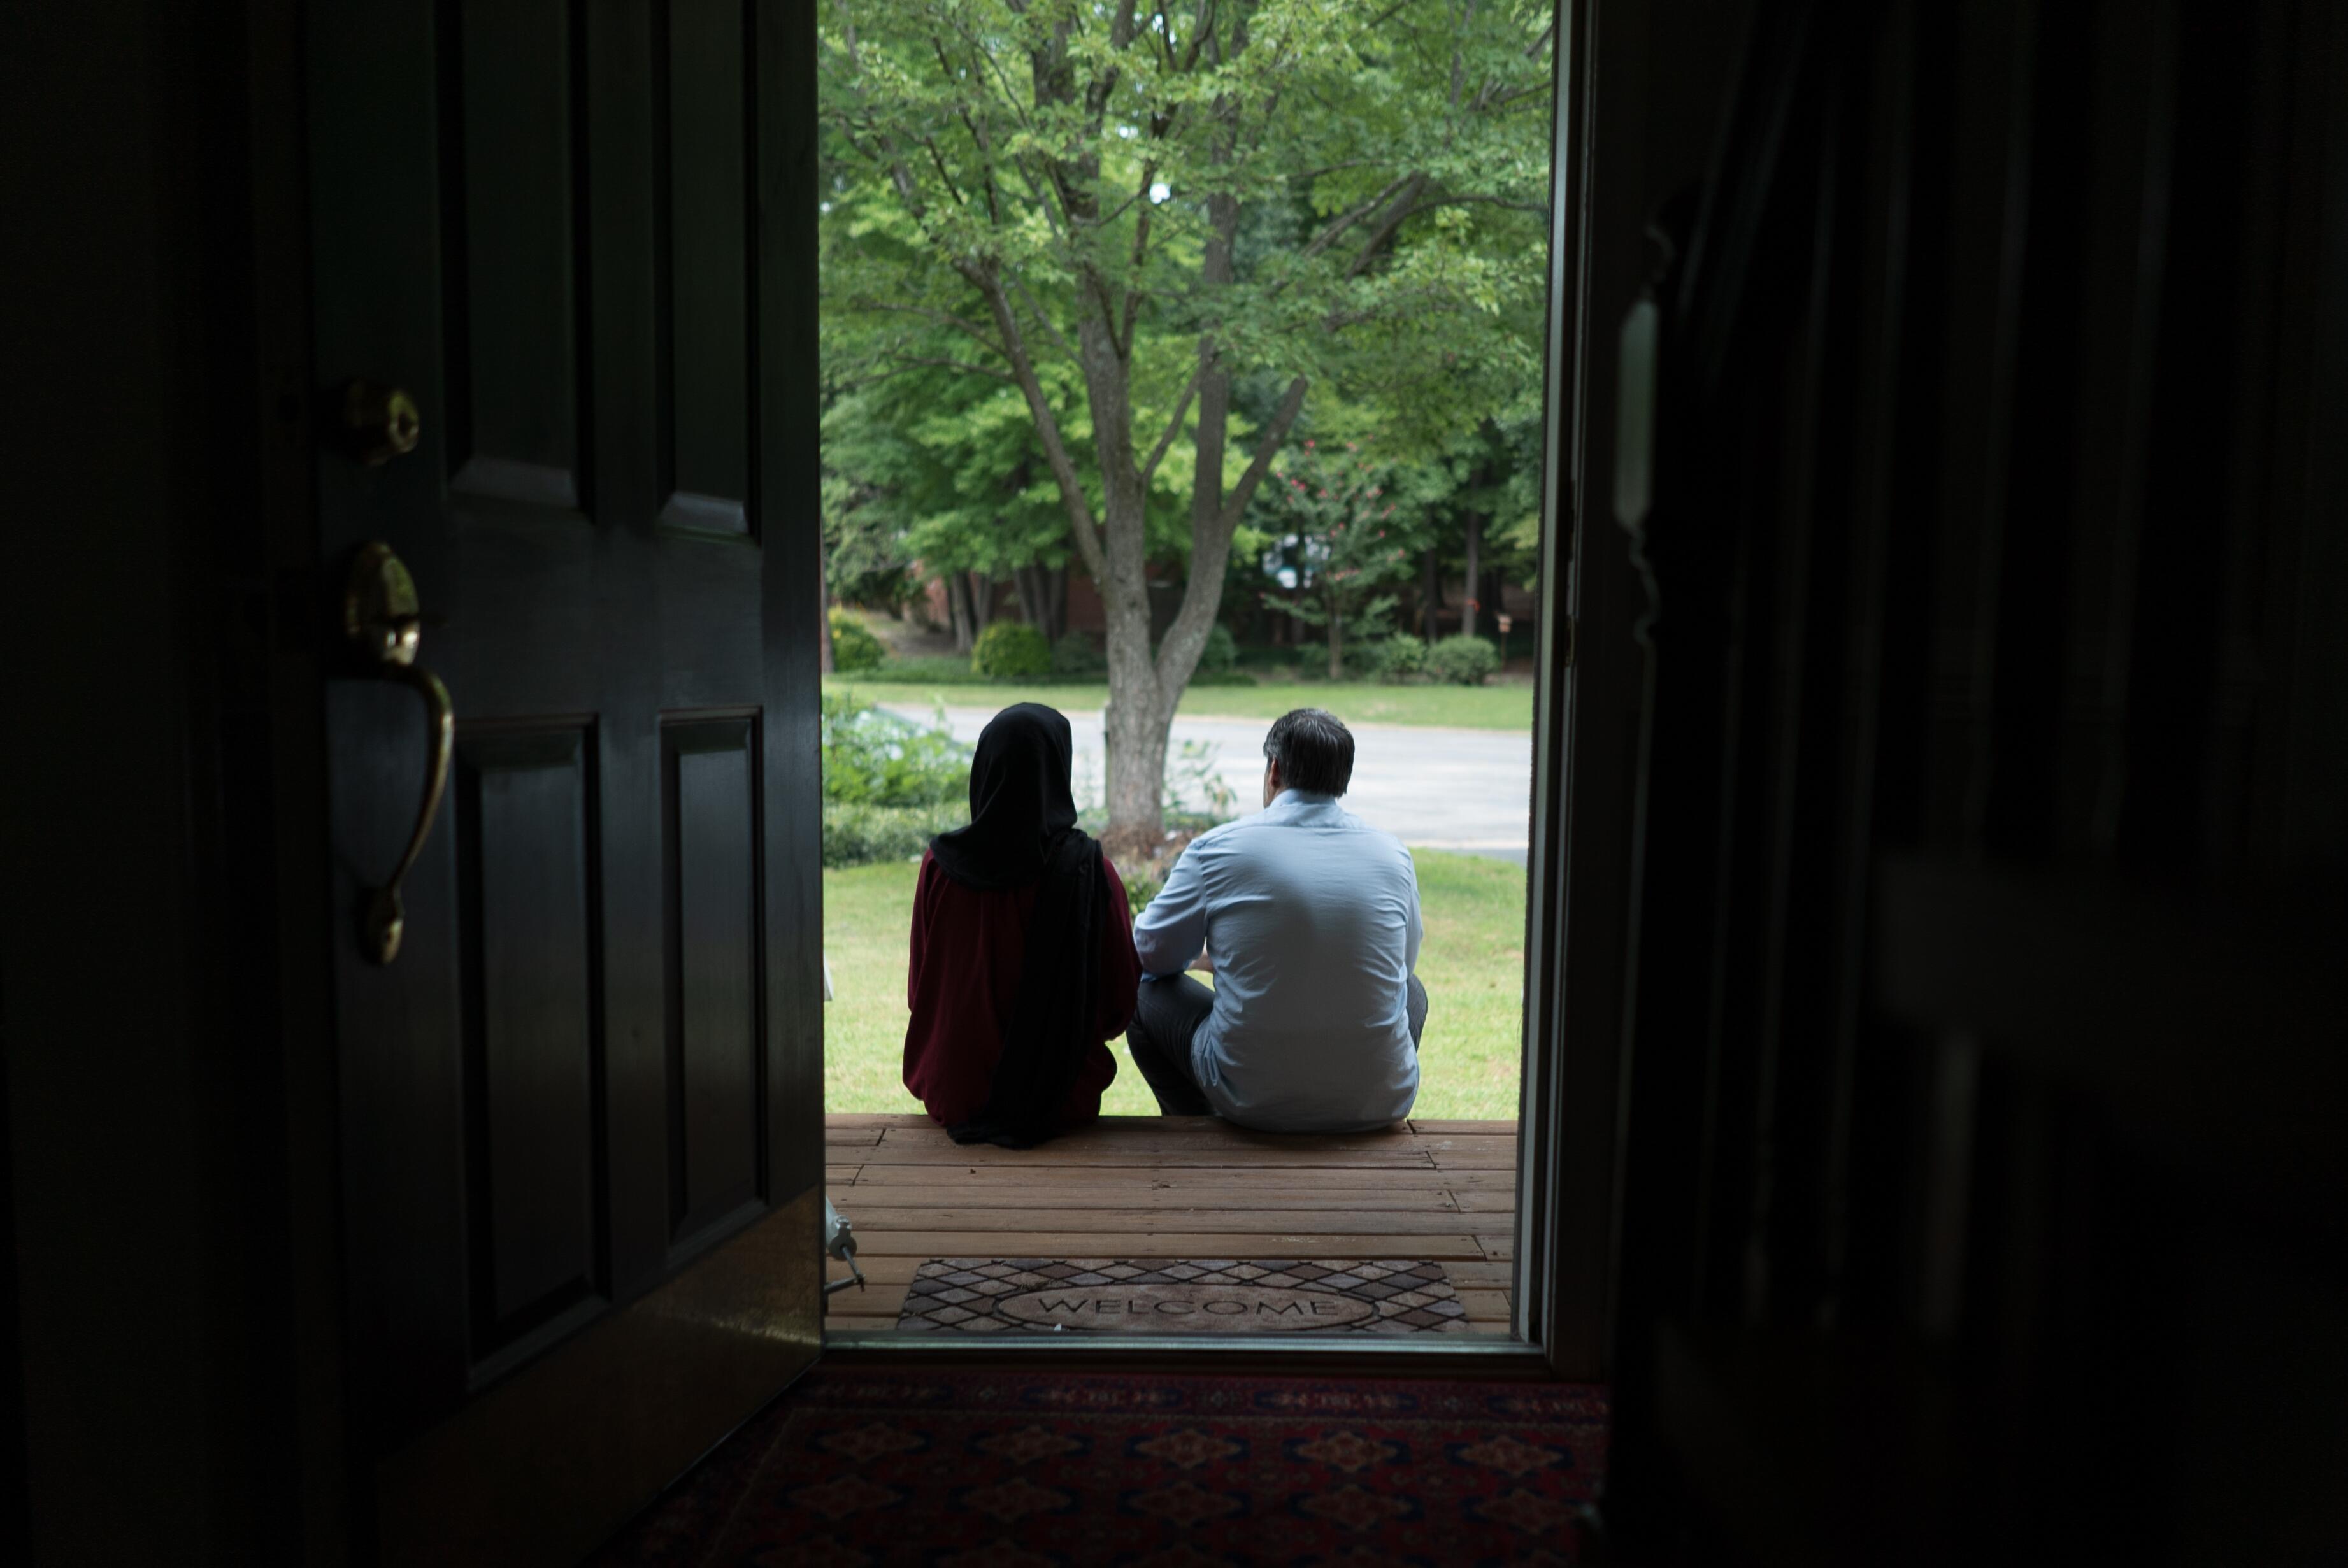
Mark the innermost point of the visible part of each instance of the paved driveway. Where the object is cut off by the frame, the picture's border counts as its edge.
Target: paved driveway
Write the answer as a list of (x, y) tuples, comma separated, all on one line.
[(1465, 790)]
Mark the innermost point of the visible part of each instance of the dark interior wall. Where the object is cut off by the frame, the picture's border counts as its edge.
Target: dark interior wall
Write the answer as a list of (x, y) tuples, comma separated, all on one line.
[(144, 1157), (1983, 1181)]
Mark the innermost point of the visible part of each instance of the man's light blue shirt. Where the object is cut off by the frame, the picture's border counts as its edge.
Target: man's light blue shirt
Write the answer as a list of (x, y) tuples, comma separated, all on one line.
[(1311, 918)]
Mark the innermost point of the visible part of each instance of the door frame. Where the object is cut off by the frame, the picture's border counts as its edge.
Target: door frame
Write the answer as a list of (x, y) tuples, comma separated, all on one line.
[(1588, 672)]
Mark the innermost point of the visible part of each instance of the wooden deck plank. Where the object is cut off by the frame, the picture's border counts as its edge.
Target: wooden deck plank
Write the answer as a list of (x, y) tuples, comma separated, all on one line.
[(1168, 1244), (1483, 1304), (1499, 1184), (1466, 1152), (1473, 1155), (1229, 1141), (1068, 1223), (1158, 1197), (1496, 1129), (884, 1269), (1175, 1159)]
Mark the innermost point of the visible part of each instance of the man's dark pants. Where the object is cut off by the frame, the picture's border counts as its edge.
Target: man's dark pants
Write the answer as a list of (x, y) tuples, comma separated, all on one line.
[(1169, 1013)]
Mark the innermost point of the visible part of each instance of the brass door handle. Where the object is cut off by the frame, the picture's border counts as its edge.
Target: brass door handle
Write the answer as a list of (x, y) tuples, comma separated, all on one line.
[(381, 619)]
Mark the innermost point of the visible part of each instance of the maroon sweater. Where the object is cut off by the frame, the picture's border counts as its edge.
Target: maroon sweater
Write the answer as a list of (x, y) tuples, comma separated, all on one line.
[(970, 948)]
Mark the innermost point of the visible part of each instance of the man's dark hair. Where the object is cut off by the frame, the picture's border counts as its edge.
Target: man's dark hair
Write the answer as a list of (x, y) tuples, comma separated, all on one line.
[(1315, 752)]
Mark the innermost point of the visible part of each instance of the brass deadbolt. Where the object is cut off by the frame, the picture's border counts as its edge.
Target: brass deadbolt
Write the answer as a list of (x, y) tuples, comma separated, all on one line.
[(382, 422)]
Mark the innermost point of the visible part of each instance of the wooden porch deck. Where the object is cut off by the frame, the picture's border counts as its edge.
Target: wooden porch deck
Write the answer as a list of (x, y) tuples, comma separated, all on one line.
[(1175, 1188)]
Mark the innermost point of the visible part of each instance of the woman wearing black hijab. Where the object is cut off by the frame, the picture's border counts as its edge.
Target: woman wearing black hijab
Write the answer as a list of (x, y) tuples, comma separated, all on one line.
[(1023, 963)]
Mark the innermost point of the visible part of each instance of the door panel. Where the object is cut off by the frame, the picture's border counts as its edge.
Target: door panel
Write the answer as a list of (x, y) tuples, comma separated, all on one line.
[(509, 160), (704, 255), (710, 834), (533, 1144), (582, 1108)]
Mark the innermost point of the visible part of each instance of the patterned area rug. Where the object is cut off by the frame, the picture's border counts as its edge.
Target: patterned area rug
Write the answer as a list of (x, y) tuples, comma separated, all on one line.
[(1214, 1295), (933, 1466)]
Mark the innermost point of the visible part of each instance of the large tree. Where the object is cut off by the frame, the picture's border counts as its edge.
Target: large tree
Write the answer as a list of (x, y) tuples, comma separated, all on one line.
[(1178, 207)]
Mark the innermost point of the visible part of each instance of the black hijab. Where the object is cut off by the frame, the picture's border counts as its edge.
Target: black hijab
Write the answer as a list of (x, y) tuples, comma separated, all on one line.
[(1023, 830), (1019, 800)]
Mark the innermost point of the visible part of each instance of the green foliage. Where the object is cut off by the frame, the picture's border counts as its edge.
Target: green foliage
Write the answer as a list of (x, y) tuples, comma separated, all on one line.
[(1084, 270), (1463, 660), (1222, 651), (888, 784), (1011, 650), (943, 669), (858, 835), (1337, 538), (1140, 888), (1399, 659), (875, 758), (1195, 788), (1073, 658), (853, 646)]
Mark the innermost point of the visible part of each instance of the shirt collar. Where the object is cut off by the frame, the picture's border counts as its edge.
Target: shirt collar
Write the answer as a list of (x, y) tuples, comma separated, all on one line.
[(1301, 800)]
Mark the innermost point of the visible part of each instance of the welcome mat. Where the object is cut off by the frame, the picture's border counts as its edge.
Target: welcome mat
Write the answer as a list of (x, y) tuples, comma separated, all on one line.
[(1214, 1295)]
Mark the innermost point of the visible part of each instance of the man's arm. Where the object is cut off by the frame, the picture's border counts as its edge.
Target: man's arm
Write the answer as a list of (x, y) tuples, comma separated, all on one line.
[(1173, 929), (1412, 930)]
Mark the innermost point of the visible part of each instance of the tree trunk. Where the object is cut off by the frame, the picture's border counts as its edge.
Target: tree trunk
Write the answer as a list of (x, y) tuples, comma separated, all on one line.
[(982, 603), (823, 614), (1475, 572), (1336, 643), (958, 605), (1055, 601), (1431, 595), (1036, 587), (1031, 607)]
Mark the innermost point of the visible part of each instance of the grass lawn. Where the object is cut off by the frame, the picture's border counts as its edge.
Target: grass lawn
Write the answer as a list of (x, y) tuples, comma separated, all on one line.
[(1497, 707), (1472, 964)]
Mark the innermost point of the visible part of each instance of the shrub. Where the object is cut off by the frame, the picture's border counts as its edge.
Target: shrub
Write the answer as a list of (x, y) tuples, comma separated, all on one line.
[(888, 784), (853, 646), (858, 835), (873, 758), (1222, 651), (1400, 659), (1073, 658), (1463, 660), (1139, 889), (1011, 650)]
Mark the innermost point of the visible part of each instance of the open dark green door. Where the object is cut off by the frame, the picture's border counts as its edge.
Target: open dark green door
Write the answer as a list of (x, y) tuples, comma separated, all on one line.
[(581, 1106)]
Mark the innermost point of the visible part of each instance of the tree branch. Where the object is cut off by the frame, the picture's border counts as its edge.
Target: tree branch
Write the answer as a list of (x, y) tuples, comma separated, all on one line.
[(1395, 214), (1337, 226), (1173, 428), (1267, 448), (944, 317), (1050, 326), (1047, 425), (963, 364)]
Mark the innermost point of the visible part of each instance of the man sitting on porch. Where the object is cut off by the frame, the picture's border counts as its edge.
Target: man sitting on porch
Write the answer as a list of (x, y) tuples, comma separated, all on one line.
[(1308, 919)]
